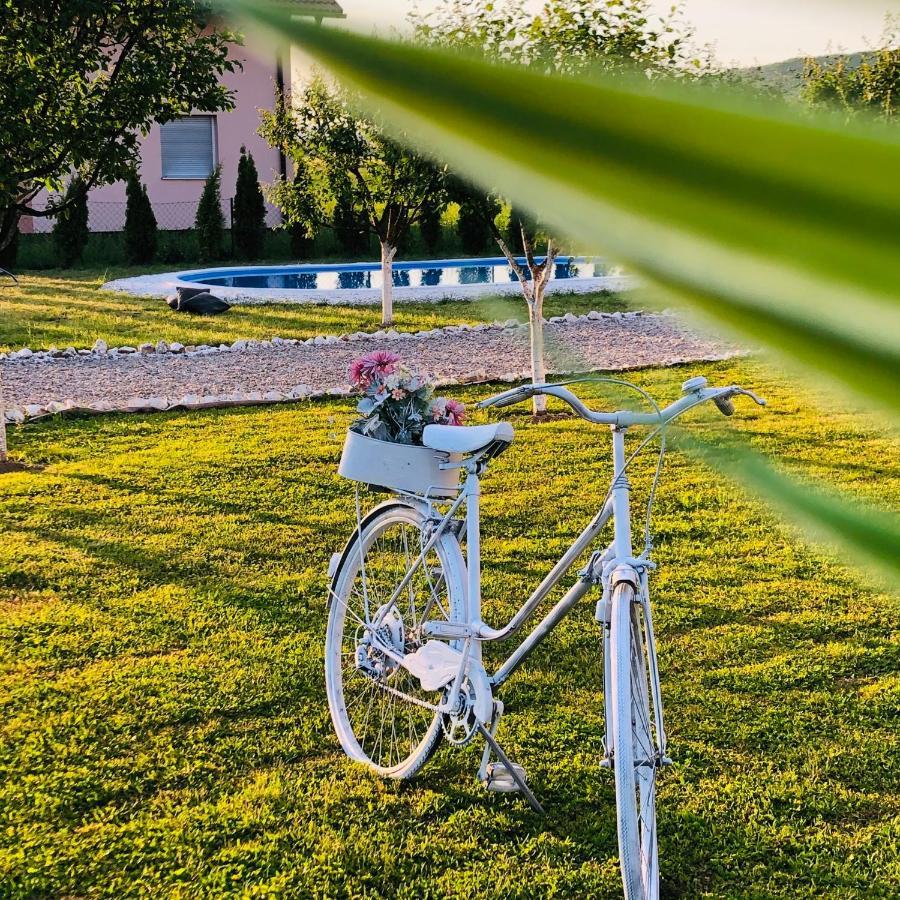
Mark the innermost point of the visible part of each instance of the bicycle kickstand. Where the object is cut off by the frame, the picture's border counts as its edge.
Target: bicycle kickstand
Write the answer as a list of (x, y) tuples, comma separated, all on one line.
[(503, 775)]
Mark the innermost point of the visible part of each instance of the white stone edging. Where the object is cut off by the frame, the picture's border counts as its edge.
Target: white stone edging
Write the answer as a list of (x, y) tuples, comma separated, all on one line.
[(101, 348), (18, 415)]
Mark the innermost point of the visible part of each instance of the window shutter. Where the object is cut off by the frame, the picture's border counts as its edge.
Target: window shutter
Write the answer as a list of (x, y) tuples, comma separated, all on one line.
[(188, 147)]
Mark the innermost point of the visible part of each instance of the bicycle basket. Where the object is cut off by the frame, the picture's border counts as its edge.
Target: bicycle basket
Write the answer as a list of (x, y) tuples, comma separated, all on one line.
[(397, 467)]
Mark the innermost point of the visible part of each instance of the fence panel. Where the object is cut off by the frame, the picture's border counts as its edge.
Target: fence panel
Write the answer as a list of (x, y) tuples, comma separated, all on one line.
[(179, 215)]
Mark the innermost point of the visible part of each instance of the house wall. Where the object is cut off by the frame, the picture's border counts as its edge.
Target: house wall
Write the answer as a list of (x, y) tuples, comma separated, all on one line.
[(175, 200)]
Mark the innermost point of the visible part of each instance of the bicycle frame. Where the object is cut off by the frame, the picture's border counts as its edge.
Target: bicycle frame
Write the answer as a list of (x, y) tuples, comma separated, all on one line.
[(605, 568), (617, 507)]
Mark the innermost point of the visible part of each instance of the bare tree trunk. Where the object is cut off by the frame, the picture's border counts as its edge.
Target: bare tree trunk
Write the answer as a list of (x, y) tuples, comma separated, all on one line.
[(534, 291), (9, 226), (3, 453), (538, 369), (387, 283)]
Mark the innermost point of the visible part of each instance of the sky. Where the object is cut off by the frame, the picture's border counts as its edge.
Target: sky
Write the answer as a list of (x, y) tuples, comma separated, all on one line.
[(745, 32)]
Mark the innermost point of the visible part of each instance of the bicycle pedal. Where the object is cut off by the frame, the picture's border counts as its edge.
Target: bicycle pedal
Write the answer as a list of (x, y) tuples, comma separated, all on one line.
[(498, 778)]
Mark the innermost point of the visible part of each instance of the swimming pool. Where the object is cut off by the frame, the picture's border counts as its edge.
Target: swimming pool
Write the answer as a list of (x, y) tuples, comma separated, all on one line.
[(360, 283), (362, 276)]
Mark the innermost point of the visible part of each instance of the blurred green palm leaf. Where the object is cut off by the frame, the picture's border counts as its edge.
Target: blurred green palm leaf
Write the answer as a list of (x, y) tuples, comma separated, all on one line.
[(870, 536), (783, 230)]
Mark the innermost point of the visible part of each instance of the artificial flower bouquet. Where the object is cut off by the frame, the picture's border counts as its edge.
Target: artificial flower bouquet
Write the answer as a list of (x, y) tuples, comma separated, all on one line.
[(384, 447), (396, 403)]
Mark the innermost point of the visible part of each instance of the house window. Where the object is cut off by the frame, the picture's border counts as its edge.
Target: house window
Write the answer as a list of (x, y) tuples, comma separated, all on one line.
[(188, 147)]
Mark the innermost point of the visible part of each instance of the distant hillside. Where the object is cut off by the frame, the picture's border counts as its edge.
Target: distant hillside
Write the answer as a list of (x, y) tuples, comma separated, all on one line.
[(787, 75)]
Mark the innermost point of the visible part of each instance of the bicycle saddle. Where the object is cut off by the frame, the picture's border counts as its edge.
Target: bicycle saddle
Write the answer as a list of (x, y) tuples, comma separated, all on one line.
[(466, 438)]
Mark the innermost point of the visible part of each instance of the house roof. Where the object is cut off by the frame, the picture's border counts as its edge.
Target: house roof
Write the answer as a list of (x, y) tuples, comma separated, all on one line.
[(320, 9)]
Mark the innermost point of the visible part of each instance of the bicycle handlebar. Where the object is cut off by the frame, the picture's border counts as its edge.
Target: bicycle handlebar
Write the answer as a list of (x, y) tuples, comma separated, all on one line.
[(695, 391)]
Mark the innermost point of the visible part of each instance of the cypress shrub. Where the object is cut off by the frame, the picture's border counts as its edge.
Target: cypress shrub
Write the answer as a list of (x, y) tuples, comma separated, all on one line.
[(210, 223), (430, 226), (349, 226), (140, 224), (249, 210), (474, 232), (302, 240), (70, 231), (301, 211)]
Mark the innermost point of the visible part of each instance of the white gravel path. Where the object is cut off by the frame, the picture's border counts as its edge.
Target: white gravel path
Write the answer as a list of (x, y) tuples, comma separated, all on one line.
[(255, 372)]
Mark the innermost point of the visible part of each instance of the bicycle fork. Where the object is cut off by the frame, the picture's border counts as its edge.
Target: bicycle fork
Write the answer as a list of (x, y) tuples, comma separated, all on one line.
[(603, 615)]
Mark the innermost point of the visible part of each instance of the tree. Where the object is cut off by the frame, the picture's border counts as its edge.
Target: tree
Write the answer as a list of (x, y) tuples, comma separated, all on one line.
[(359, 178), (430, 225), (210, 223), (82, 80), (301, 213), (10, 253), (70, 231), (347, 218), (564, 37), (140, 223), (872, 86), (249, 210)]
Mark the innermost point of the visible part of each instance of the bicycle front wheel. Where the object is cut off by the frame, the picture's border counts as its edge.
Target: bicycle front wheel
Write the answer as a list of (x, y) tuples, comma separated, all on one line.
[(381, 714), (635, 760)]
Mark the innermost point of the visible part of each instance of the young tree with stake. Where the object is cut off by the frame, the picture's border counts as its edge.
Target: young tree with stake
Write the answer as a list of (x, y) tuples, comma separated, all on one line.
[(350, 161), (533, 276)]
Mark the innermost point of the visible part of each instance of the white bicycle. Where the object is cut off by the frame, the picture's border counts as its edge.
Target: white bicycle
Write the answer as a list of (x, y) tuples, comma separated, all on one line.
[(403, 658)]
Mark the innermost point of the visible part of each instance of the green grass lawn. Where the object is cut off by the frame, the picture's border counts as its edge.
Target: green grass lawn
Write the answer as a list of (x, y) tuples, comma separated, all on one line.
[(65, 309), (164, 724)]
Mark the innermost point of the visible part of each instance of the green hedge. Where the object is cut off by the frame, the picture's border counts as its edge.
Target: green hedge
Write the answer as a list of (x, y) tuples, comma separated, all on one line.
[(36, 251)]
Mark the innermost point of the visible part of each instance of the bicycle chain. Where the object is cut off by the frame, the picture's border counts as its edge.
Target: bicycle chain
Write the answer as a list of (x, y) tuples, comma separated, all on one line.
[(445, 719), (424, 704)]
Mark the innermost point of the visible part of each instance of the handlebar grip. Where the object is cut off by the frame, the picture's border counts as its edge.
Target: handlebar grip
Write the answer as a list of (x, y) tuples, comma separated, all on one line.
[(512, 400), (508, 398), (725, 405)]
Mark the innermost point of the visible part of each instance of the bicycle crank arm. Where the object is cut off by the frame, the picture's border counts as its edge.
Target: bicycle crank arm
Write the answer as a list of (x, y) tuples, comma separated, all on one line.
[(511, 769)]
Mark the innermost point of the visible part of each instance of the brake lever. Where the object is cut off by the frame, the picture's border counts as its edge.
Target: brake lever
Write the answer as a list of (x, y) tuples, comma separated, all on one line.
[(760, 401), (725, 404)]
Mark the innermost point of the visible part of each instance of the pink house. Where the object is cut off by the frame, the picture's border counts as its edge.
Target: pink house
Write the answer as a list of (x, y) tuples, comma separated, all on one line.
[(177, 157)]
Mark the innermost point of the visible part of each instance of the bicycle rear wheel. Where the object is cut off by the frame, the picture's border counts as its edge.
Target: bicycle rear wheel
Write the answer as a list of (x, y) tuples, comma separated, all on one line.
[(635, 757), (381, 714)]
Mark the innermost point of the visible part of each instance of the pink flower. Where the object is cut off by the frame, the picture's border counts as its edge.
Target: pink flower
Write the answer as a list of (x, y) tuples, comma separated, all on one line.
[(456, 412), (438, 409), (365, 370), (398, 393), (447, 412)]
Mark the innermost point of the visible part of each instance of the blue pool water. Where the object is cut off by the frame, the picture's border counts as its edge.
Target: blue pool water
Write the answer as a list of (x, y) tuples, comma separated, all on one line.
[(360, 276)]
